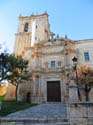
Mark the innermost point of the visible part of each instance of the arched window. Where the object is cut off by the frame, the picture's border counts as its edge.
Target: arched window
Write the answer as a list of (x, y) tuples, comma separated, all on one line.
[(26, 27)]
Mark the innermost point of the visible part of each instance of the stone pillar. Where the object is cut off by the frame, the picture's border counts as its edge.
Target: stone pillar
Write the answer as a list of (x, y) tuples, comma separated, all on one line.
[(33, 95), (73, 95), (63, 90), (43, 90), (39, 89)]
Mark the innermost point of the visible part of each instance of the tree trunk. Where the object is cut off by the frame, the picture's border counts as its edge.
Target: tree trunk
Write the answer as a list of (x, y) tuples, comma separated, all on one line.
[(78, 90), (16, 91), (87, 90), (79, 95), (87, 95)]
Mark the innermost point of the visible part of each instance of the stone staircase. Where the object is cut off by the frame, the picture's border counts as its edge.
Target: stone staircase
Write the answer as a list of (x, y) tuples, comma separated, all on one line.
[(29, 121), (43, 114), (80, 113)]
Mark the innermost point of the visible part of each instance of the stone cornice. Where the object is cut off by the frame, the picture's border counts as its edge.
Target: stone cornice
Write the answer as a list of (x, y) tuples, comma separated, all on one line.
[(48, 70), (84, 41), (63, 52), (33, 16), (50, 45), (23, 33)]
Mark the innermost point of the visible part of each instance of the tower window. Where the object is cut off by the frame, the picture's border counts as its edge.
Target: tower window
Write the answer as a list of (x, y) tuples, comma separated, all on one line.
[(86, 56), (26, 27), (52, 64)]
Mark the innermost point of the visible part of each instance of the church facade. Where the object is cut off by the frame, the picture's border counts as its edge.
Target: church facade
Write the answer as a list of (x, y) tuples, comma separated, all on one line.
[(50, 59)]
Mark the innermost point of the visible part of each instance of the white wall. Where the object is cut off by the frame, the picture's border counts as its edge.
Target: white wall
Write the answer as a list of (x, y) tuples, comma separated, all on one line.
[(85, 46)]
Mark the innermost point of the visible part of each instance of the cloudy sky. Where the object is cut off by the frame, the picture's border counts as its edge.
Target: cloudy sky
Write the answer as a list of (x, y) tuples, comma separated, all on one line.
[(71, 17)]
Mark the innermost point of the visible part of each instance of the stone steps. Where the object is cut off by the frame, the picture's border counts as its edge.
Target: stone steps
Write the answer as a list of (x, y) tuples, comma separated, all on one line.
[(51, 124), (43, 114), (28, 121)]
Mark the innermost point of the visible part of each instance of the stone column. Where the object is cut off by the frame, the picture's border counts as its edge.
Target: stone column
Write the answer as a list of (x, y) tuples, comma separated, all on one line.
[(43, 90), (39, 90), (63, 89), (33, 95)]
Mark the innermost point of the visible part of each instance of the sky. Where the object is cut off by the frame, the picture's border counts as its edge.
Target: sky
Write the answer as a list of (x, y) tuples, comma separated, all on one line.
[(73, 18)]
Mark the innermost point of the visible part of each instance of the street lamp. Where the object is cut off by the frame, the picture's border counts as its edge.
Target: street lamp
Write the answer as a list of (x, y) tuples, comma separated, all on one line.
[(75, 60)]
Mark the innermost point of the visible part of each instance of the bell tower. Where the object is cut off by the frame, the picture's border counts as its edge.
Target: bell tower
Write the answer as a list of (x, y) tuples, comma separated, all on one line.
[(31, 30)]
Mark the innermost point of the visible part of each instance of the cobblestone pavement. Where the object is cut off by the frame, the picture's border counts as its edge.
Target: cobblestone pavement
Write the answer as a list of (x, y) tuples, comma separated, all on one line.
[(42, 111)]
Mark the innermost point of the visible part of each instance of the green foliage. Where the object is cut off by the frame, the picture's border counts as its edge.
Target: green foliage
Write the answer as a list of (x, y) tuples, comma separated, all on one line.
[(13, 69), (18, 69), (13, 106), (86, 79), (2, 97), (4, 66)]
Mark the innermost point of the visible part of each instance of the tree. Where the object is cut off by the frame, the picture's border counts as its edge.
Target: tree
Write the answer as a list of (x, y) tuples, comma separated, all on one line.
[(86, 79), (13, 69), (4, 66)]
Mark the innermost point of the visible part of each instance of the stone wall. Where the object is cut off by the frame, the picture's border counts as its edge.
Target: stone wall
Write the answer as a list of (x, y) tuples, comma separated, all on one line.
[(80, 113), (23, 90), (85, 46), (10, 93), (73, 96)]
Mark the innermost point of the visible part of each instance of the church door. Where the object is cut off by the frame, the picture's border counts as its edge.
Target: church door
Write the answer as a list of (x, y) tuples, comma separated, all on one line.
[(53, 91)]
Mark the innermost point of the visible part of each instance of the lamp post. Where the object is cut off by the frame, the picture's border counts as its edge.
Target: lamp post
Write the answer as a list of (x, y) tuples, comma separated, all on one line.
[(75, 60)]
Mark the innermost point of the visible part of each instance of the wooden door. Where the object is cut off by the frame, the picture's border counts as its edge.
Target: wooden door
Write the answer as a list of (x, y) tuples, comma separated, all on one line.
[(53, 91)]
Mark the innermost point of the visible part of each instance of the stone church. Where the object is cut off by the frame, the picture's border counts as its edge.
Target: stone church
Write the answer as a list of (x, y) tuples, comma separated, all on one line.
[(50, 59)]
